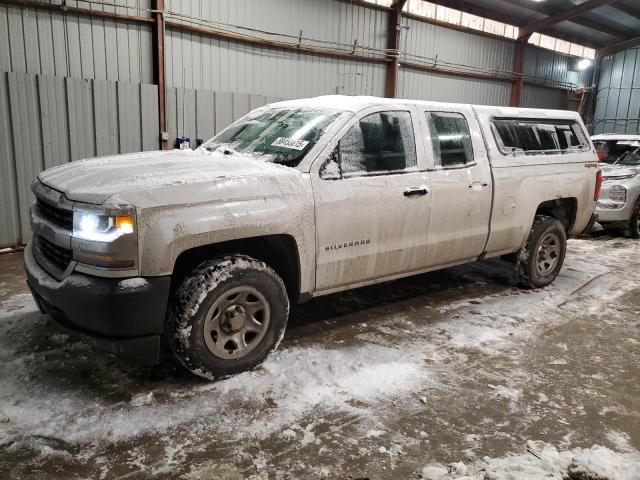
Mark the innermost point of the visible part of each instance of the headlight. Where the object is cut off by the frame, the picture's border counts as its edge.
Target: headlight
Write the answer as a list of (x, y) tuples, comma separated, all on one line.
[(620, 177), (101, 228), (618, 193)]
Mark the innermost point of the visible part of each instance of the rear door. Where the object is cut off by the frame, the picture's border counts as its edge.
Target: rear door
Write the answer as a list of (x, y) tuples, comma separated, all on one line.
[(372, 200), (461, 185)]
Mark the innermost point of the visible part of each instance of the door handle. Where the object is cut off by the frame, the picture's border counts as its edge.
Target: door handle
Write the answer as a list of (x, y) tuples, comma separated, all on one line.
[(415, 191), (478, 184)]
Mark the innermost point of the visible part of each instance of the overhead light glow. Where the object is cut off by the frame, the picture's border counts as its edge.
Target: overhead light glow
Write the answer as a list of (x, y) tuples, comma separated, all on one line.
[(584, 64)]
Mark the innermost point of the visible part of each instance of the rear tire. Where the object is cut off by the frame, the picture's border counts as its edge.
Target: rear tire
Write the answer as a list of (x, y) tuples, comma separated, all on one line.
[(542, 257), (228, 315)]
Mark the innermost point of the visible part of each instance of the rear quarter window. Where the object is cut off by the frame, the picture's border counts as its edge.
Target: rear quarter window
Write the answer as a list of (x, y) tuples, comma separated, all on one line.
[(516, 136)]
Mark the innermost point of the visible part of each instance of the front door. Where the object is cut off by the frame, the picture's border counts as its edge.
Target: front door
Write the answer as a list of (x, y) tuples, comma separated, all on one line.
[(372, 201)]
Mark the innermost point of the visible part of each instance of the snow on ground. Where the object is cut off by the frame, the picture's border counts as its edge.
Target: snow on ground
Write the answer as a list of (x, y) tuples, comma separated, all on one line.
[(544, 461), (59, 399)]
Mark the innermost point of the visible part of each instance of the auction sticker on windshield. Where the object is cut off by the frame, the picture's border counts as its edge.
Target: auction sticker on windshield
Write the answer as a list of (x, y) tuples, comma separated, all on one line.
[(290, 143)]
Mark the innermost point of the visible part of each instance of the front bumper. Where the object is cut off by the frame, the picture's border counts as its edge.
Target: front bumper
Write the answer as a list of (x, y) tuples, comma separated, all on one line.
[(122, 316), (614, 215)]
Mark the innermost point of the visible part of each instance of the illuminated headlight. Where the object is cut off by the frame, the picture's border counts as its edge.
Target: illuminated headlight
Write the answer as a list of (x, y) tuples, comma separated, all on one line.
[(101, 228), (618, 193)]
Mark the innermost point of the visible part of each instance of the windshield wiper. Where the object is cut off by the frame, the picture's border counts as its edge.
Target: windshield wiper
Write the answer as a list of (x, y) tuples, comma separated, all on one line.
[(219, 146)]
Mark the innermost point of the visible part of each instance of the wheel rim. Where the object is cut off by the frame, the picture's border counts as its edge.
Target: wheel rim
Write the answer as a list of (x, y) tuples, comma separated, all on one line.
[(237, 322), (548, 254)]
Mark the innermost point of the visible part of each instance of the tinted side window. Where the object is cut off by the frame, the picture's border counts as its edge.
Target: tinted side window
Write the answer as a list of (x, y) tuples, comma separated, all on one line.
[(515, 135), (450, 139), (378, 143)]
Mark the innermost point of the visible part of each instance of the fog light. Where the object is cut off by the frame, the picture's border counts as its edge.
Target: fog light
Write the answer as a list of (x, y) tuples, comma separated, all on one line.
[(618, 193)]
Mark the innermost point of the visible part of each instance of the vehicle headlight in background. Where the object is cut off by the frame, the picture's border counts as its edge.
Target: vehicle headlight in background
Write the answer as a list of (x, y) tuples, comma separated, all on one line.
[(620, 177), (101, 228), (618, 193)]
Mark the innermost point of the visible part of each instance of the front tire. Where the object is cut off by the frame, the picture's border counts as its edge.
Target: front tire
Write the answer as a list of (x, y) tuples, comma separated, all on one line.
[(542, 257), (228, 316), (634, 221)]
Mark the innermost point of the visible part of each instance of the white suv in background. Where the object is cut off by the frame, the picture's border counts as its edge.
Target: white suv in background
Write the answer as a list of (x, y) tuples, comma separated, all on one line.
[(611, 146), (619, 204)]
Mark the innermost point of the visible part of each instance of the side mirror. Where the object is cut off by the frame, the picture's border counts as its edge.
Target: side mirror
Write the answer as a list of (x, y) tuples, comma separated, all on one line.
[(331, 169)]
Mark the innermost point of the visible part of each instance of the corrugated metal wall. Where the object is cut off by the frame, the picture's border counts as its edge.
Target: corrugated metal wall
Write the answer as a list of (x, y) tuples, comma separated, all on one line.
[(425, 86), (46, 121), (52, 43), (618, 97), (548, 66), (540, 97), (197, 61), (202, 113), (435, 42)]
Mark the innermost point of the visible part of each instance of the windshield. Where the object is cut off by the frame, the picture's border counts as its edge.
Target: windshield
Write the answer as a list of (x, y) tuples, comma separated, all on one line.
[(279, 135), (610, 151), (632, 157)]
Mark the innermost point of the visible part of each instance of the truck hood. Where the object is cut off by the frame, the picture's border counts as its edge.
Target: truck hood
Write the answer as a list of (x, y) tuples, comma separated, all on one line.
[(160, 177)]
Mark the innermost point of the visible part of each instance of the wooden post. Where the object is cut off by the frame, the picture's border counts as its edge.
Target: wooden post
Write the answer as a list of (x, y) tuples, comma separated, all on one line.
[(159, 77)]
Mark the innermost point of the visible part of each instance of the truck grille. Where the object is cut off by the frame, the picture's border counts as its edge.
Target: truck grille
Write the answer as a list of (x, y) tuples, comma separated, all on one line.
[(51, 257), (58, 216)]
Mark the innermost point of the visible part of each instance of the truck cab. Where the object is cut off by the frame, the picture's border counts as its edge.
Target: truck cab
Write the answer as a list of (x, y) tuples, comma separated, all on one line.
[(206, 249)]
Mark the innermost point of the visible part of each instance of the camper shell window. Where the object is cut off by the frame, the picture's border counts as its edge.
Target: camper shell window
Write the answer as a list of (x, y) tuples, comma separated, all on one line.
[(534, 136)]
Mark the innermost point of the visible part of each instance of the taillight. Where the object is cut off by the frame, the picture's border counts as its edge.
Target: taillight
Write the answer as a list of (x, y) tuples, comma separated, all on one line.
[(596, 194)]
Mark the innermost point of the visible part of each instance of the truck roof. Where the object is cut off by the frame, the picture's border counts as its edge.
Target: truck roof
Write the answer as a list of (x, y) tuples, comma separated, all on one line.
[(615, 137), (358, 103)]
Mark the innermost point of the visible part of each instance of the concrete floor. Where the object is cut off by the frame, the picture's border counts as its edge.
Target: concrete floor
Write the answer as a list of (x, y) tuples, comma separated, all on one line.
[(452, 366)]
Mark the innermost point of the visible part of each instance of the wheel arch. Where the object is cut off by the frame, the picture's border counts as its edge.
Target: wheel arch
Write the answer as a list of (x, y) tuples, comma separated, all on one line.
[(280, 252), (562, 209)]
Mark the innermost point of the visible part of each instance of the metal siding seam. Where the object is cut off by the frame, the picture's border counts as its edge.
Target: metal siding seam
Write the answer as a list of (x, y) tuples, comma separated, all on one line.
[(9, 208)]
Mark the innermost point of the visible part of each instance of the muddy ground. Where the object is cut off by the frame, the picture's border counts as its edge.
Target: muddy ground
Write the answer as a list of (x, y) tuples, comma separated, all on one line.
[(381, 382)]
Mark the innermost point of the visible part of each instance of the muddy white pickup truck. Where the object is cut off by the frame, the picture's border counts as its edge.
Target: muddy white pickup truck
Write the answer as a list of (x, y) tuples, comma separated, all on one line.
[(207, 248)]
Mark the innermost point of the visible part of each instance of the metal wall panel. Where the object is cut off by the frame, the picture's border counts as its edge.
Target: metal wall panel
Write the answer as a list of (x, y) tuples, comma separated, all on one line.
[(47, 121), (9, 218), (199, 62), (547, 66), (203, 113), (540, 97), (452, 46), (194, 61), (46, 42), (27, 140), (325, 20), (618, 95), (425, 86)]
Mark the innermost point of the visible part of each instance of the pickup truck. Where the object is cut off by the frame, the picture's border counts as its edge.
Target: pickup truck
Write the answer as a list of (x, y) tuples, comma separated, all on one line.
[(206, 249)]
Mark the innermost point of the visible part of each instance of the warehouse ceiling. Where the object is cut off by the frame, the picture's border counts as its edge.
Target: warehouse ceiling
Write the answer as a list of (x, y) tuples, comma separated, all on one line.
[(594, 23)]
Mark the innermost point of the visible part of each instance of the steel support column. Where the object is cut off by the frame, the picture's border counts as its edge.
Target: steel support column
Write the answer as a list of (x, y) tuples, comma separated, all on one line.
[(159, 77), (518, 68), (393, 44)]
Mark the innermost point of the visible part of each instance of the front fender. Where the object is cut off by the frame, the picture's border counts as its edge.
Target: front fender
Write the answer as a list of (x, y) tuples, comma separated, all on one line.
[(166, 232)]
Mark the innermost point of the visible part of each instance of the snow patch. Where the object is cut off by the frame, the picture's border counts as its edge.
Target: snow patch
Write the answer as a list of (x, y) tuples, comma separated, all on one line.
[(544, 461), (133, 284)]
